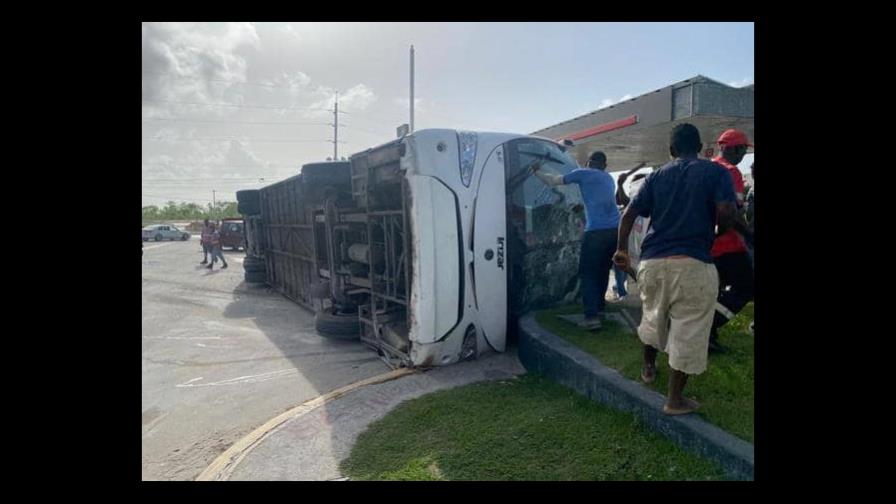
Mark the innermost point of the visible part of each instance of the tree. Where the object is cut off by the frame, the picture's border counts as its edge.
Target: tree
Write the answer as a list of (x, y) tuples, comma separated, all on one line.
[(150, 213), (189, 211)]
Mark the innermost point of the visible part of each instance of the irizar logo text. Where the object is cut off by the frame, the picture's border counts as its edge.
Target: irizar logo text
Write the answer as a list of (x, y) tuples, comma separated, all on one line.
[(501, 252)]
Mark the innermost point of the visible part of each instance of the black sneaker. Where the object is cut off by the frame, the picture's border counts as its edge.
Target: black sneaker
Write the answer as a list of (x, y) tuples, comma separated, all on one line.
[(209, 266), (225, 266), (204, 262)]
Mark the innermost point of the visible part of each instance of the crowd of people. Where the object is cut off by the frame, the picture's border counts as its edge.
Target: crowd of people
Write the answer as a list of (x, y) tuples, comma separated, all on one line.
[(695, 268)]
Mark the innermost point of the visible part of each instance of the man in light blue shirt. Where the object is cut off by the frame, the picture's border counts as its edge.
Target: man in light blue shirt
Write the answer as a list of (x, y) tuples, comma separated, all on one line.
[(601, 228)]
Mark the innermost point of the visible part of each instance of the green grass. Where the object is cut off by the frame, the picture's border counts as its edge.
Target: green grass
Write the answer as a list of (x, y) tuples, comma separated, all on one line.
[(528, 428), (724, 390)]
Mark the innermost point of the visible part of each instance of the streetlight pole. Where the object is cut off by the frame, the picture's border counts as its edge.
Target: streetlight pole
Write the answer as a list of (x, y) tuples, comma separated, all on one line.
[(412, 89)]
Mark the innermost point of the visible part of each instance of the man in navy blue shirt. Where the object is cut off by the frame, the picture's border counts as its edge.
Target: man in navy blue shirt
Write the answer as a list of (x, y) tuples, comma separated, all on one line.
[(685, 200), (601, 227)]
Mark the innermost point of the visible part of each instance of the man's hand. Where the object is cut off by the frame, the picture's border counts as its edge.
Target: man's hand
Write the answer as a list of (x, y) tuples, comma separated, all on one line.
[(621, 259), (625, 175)]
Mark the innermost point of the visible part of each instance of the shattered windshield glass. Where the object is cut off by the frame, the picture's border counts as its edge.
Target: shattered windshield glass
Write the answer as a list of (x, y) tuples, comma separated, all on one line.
[(544, 226)]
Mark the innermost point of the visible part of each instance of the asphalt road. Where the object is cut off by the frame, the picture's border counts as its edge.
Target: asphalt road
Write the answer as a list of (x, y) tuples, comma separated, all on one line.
[(221, 357)]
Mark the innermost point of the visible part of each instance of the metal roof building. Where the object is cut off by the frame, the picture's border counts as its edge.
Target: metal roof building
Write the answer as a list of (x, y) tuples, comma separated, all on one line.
[(637, 130)]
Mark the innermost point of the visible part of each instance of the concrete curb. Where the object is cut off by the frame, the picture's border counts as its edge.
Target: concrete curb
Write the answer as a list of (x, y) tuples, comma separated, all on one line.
[(223, 466), (310, 447), (545, 353)]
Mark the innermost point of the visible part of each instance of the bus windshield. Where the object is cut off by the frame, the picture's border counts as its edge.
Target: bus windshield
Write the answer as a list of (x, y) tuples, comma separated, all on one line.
[(543, 225)]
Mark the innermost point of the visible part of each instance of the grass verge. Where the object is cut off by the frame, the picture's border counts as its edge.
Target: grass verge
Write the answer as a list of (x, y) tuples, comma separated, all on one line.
[(724, 390), (528, 428)]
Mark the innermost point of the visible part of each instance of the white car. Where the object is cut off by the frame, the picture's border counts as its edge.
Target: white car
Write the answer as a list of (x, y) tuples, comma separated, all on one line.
[(159, 232)]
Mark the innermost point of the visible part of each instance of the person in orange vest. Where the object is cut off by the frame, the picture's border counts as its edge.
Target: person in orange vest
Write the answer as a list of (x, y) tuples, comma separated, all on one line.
[(729, 250)]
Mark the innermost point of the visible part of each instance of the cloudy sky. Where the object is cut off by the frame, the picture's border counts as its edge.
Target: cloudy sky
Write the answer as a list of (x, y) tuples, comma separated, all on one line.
[(227, 104)]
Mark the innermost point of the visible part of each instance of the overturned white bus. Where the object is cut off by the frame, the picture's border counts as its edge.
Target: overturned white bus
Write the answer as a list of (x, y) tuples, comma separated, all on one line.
[(426, 248)]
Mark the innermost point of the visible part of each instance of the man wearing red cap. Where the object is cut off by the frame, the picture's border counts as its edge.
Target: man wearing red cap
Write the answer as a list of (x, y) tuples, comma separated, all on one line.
[(729, 251)]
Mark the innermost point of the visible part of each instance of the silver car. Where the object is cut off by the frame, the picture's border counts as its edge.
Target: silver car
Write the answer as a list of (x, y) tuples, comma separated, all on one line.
[(159, 232)]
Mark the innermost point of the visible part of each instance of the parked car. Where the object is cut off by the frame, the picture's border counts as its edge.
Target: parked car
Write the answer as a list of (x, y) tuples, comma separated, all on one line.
[(233, 234), (159, 232)]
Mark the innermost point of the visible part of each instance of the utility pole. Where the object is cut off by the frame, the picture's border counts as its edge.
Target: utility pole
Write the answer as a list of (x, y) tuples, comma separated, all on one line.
[(412, 89), (336, 128), (214, 210)]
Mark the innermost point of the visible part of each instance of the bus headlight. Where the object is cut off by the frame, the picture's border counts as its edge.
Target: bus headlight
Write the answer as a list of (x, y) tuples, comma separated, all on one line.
[(467, 144)]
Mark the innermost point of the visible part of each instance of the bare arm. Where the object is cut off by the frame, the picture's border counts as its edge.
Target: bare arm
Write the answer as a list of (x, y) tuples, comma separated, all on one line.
[(621, 198), (625, 228), (620, 258), (551, 179)]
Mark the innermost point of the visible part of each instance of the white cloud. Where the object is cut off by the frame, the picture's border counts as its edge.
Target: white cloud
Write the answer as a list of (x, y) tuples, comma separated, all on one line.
[(419, 106), (289, 30), (294, 87), (204, 160), (741, 83), (356, 98), (186, 61), (240, 155), (606, 102)]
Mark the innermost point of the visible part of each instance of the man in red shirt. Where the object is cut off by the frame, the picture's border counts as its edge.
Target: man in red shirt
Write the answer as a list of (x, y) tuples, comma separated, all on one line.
[(729, 251)]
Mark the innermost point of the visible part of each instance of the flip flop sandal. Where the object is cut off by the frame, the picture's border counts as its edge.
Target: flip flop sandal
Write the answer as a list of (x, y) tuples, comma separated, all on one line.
[(670, 411)]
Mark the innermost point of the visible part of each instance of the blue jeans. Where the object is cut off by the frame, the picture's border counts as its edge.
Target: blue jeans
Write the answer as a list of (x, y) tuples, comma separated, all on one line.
[(217, 253), (620, 281), (595, 262)]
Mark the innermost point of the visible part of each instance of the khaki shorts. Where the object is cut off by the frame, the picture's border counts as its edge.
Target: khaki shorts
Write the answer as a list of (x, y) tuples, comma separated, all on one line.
[(678, 299)]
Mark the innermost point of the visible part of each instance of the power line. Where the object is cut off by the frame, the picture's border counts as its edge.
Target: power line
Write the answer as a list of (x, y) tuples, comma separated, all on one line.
[(364, 130), (284, 140), (244, 83), (235, 106), (371, 121), (234, 122)]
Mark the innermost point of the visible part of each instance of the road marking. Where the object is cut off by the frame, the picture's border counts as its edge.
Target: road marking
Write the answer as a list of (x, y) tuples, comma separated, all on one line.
[(160, 245), (223, 466), (207, 346), (182, 337), (242, 379)]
